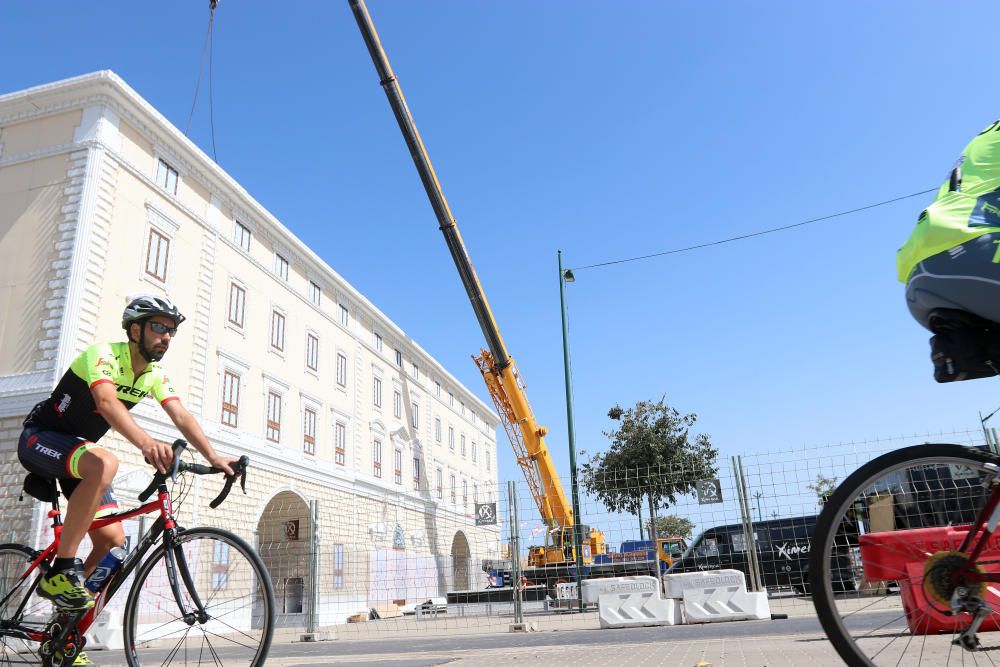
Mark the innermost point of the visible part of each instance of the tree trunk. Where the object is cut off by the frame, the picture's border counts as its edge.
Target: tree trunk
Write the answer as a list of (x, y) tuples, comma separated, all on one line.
[(652, 519)]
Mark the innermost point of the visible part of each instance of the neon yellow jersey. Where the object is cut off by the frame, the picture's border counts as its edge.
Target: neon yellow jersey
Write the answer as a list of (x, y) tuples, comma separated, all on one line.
[(71, 408), (955, 217)]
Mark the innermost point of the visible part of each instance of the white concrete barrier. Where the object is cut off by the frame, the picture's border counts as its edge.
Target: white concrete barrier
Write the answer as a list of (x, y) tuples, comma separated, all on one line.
[(675, 584), (628, 610), (593, 589), (724, 603), (106, 632)]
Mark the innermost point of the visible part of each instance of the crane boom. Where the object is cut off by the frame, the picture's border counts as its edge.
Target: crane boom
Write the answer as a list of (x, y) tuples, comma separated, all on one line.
[(498, 368)]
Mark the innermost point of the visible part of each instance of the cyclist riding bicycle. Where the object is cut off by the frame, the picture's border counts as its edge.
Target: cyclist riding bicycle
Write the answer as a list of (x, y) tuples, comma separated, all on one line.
[(951, 264), (95, 394)]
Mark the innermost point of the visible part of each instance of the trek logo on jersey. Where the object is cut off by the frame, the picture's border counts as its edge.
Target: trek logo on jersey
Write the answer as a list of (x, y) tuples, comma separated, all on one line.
[(131, 391), (63, 405), (987, 210)]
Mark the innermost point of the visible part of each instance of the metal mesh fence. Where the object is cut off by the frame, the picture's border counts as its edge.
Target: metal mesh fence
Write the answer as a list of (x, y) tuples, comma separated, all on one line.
[(373, 562)]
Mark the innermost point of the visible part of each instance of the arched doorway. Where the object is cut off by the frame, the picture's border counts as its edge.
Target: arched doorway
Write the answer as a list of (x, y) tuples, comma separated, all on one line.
[(460, 557), (284, 538)]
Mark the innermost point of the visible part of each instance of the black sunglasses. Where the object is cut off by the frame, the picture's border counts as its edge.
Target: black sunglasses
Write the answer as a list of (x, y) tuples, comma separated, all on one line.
[(163, 329)]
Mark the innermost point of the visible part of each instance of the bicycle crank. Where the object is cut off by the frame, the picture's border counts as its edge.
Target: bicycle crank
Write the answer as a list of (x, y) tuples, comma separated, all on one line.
[(64, 642)]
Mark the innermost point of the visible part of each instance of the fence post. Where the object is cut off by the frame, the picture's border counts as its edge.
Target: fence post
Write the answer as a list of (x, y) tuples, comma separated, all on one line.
[(312, 616), (515, 553), (746, 518)]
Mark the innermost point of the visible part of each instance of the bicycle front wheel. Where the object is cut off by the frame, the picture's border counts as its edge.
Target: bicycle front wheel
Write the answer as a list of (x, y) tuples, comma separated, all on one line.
[(23, 614), (886, 560), (228, 578)]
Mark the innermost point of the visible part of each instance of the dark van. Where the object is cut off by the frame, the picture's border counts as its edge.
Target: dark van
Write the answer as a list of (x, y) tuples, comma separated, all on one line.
[(782, 549)]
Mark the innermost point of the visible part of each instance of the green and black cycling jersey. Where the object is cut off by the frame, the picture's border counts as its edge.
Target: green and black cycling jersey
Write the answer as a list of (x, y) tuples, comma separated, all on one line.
[(71, 408), (966, 207)]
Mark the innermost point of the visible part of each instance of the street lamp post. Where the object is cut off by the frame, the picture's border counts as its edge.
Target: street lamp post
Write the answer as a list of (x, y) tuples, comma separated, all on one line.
[(567, 277)]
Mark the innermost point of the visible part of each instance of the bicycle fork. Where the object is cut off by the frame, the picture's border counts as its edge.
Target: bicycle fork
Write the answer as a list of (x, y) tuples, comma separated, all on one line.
[(177, 564)]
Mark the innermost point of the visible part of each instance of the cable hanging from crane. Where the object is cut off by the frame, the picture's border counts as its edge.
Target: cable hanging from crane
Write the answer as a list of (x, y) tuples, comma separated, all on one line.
[(206, 49)]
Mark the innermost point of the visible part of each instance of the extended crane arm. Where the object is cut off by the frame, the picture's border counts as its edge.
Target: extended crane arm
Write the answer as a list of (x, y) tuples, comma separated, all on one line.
[(498, 369)]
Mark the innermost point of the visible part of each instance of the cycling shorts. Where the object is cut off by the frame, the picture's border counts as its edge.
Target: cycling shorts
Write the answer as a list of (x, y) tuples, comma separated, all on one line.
[(56, 455)]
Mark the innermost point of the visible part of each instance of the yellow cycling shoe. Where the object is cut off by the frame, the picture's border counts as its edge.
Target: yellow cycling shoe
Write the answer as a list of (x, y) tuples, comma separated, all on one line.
[(64, 587)]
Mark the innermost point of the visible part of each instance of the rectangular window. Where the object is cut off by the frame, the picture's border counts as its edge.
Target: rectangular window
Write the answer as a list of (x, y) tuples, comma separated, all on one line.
[(339, 443), (399, 358), (230, 398), (437, 429), (463, 445), (451, 438), (315, 293), (415, 371), (341, 370), (416, 472), (451, 399), (440, 483), (237, 305), (451, 479), (312, 352), (397, 471), (377, 341), (157, 254), (377, 392), (489, 464), (281, 266), (474, 448), (474, 418), (166, 177), (475, 492), (338, 566), (273, 416), (397, 404), (241, 236), (465, 492), (345, 315), (277, 331), (309, 432), (220, 565), (415, 415), (463, 408), (377, 458), (437, 389)]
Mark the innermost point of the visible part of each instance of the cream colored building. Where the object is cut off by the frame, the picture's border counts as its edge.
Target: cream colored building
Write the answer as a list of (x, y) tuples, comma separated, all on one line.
[(360, 441)]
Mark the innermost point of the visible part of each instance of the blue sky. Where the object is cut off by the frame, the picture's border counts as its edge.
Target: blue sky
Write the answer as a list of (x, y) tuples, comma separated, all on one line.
[(608, 130)]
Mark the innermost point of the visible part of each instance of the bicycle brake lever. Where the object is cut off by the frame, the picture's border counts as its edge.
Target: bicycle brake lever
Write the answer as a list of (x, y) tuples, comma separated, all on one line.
[(244, 462), (175, 468)]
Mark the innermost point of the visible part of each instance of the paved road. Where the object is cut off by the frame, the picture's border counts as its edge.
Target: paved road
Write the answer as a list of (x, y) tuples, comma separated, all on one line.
[(796, 641)]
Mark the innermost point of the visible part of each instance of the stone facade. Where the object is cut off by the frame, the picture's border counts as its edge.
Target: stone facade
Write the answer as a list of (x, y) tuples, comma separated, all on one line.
[(367, 455)]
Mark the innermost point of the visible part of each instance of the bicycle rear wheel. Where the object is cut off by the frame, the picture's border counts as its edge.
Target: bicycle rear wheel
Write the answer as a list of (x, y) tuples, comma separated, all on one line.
[(895, 526), (22, 611), (232, 583)]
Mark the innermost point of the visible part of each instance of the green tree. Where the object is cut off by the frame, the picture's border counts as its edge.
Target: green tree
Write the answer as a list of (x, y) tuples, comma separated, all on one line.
[(653, 456), (823, 487), (671, 524)]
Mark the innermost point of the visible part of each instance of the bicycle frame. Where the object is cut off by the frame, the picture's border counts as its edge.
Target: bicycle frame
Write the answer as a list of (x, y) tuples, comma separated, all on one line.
[(980, 533), (164, 525)]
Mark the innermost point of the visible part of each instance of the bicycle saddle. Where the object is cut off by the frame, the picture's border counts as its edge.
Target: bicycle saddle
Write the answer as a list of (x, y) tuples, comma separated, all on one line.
[(39, 487)]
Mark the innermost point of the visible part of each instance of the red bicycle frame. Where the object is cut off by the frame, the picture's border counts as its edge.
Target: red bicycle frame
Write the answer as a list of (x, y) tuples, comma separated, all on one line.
[(162, 504)]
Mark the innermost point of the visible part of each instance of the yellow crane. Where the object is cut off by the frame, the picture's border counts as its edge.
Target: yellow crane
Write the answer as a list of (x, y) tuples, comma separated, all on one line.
[(499, 371)]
